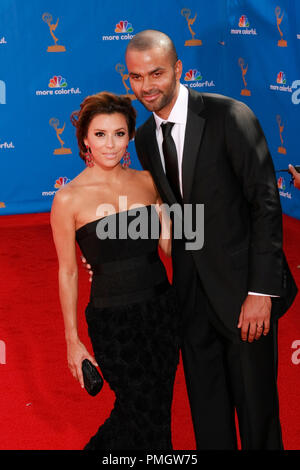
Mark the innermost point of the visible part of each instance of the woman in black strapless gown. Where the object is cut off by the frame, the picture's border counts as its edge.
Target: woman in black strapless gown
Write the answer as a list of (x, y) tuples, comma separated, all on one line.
[(132, 314), (133, 325)]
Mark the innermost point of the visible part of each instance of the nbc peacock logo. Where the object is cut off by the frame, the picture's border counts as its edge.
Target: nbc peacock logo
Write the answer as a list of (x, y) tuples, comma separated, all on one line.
[(194, 79), (282, 188), (193, 75), (61, 181), (244, 27), (57, 85), (281, 83), (57, 82), (281, 183), (243, 22), (124, 27), (123, 30), (281, 78)]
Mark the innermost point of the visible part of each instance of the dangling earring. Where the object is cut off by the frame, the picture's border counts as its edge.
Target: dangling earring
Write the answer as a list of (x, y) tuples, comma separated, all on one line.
[(126, 159), (89, 161)]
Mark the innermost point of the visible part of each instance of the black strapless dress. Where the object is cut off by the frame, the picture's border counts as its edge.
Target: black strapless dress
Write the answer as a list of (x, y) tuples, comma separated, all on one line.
[(134, 324)]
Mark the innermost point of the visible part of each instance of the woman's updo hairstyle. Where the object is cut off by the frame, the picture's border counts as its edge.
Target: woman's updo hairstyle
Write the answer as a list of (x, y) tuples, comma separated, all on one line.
[(101, 103)]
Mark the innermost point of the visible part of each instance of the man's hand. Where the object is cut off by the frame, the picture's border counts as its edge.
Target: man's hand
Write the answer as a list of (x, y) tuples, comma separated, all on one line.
[(255, 316), (87, 267), (295, 175)]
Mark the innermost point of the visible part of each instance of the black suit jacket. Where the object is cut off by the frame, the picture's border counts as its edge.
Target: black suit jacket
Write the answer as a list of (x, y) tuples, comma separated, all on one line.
[(227, 167)]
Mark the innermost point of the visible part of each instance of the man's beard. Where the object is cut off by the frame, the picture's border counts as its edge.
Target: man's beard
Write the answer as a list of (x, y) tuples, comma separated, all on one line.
[(160, 103)]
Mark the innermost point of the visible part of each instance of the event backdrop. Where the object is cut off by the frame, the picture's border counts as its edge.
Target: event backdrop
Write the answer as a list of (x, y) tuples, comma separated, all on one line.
[(53, 53)]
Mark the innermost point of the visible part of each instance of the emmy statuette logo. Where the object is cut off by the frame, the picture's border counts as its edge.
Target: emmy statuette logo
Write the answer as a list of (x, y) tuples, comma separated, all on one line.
[(244, 91), (281, 42), (186, 12), (2, 205), (281, 149), (120, 68), (47, 18), (54, 122)]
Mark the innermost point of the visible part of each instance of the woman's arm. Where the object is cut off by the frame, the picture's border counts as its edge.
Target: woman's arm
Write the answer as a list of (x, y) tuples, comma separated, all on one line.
[(165, 240), (63, 229)]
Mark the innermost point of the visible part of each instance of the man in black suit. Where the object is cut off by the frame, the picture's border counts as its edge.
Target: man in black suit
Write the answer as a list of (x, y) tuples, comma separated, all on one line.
[(233, 290)]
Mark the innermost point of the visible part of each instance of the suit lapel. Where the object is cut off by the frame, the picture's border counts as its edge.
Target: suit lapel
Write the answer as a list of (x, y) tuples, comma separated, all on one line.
[(193, 135)]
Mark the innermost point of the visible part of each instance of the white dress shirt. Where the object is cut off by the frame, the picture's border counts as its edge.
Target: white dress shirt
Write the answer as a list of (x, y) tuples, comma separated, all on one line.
[(178, 115)]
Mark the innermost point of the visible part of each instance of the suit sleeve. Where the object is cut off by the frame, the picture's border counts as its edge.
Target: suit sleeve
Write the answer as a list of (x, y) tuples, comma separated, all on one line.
[(253, 166)]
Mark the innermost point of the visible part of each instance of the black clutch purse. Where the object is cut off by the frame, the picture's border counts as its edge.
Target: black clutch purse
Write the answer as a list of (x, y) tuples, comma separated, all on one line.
[(93, 382)]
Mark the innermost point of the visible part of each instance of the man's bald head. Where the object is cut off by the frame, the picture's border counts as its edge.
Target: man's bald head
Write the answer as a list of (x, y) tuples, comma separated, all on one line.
[(154, 71), (151, 38)]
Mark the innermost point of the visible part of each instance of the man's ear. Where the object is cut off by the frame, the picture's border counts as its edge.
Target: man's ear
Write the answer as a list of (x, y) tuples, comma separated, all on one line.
[(178, 69)]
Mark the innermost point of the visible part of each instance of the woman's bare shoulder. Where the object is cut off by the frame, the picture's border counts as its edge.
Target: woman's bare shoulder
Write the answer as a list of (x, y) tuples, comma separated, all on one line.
[(144, 175), (68, 193), (145, 178), (148, 178)]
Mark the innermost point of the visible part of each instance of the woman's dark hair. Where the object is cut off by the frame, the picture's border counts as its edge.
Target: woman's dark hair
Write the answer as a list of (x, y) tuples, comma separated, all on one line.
[(101, 103)]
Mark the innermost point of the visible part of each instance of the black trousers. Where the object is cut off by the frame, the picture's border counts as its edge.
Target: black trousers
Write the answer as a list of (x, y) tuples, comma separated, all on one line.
[(223, 376)]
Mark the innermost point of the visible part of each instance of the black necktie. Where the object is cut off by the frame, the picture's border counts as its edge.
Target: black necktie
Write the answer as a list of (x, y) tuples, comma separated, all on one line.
[(171, 161)]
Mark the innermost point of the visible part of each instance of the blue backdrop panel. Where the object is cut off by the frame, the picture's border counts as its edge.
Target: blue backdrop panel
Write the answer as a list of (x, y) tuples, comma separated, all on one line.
[(54, 53)]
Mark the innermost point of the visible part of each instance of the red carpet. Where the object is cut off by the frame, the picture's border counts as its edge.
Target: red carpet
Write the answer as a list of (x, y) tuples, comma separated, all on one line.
[(42, 406)]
